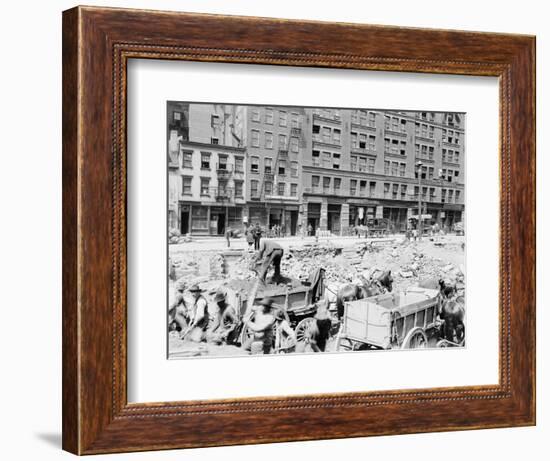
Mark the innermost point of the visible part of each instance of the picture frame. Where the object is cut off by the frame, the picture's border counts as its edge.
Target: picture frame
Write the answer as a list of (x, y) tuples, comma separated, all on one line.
[(97, 44)]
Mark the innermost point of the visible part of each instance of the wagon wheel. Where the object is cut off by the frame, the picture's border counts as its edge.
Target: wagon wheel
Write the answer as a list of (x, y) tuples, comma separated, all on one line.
[(302, 329), (344, 344), (287, 345), (460, 333), (247, 333), (415, 339)]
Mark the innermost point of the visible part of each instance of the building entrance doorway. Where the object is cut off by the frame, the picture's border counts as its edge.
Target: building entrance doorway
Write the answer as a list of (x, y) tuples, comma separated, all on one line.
[(217, 221), (184, 222), (293, 222), (333, 218)]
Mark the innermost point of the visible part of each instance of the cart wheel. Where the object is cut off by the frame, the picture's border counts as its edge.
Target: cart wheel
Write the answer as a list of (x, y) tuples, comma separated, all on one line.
[(302, 328), (415, 339), (344, 344), (246, 334), (287, 346)]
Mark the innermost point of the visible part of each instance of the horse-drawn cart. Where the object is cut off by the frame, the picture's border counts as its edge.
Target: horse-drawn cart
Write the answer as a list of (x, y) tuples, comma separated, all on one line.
[(405, 320), (297, 301)]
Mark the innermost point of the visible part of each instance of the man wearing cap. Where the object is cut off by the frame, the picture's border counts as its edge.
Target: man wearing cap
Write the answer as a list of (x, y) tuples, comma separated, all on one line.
[(261, 327), (269, 253), (223, 321), (199, 316)]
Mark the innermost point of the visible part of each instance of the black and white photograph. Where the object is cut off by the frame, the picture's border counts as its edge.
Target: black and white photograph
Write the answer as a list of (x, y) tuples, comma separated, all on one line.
[(310, 229)]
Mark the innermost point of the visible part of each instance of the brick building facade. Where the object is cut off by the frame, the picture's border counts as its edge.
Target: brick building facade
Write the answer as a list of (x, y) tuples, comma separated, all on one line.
[(275, 146), (331, 169), (360, 165), (206, 168)]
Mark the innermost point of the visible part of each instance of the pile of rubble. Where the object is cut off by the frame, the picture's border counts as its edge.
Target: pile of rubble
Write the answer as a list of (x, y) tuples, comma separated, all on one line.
[(299, 265), (314, 251), (409, 262), (175, 237)]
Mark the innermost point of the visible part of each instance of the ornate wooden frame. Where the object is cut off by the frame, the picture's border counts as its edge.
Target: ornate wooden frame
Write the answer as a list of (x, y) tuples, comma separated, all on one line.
[(97, 43)]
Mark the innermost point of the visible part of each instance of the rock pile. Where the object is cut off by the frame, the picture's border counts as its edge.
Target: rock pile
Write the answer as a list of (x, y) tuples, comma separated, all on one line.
[(175, 237)]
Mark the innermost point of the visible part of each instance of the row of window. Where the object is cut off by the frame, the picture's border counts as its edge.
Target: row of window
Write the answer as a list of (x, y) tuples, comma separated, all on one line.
[(445, 174), (450, 119), (362, 188), (206, 161), (423, 130), (268, 187), (282, 115), (327, 134), (394, 191), (327, 182), (451, 156), (333, 114), (395, 168), (363, 141), (395, 124), (451, 136), (269, 168), (326, 159), (359, 163), (395, 146), (365, 118), (359, 117), (255, 141), (424, 151), (223, 188)]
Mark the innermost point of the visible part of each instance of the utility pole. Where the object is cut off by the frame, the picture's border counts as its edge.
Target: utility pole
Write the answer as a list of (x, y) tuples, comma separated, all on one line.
[(419, 225)]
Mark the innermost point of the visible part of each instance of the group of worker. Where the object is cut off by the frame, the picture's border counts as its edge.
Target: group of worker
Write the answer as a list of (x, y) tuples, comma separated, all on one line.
[(217, 323), (199, 320)]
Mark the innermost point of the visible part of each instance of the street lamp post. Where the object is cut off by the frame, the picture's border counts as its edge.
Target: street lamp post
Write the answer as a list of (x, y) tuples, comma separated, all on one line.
[(419, 172)]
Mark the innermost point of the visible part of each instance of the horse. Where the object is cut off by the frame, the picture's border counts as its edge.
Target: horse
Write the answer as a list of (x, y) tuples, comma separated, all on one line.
[(446, 290), (385, 280), (366, 289), (452, 313)]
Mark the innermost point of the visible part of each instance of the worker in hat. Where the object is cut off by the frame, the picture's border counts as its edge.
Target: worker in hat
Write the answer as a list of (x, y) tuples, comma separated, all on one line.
[(260, 322), (223, 318), (199, 316), (269, 254), (285, 338)]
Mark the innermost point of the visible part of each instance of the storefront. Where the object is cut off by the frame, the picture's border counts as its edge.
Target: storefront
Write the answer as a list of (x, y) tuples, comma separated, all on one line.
[(333, 218), (450, 216), (313, 217), (397, 218), (209, 220), (258, 215), (283, 217), (360, 214)]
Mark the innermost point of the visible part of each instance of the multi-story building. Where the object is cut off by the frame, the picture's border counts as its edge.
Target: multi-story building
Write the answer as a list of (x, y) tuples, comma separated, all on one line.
[(331, 169), (275, 145), (206, 168), (361, 164)]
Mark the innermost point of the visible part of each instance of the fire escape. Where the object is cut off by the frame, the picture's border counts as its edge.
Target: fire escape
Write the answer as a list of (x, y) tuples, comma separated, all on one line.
[(282, 155), (223, 193)]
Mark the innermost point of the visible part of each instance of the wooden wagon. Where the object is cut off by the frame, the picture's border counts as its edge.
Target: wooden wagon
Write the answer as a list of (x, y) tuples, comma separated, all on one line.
[(297, 301), (405, 320)]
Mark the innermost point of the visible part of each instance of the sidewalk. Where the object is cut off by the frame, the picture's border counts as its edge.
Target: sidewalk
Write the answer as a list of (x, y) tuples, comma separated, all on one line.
[(219, 243)]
